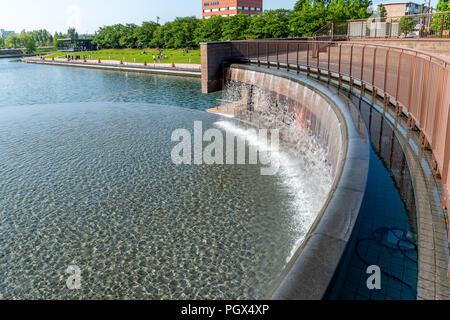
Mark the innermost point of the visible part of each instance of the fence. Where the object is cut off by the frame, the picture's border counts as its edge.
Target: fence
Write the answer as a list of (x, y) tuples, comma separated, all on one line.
[(416, 82), (426, 25)]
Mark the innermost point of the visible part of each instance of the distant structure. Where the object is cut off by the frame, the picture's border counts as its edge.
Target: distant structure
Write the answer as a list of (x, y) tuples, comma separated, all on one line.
[(229, 8), (4, 33), (400, 9)]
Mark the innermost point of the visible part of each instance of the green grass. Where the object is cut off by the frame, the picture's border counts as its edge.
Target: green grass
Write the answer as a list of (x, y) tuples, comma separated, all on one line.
[(173, 55), (42, 50)]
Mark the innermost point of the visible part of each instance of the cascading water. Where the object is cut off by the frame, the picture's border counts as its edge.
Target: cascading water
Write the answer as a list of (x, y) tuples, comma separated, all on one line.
[(305, 171)]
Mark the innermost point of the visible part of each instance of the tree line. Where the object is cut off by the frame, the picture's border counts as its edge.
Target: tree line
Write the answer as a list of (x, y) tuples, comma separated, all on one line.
[(306, 17)]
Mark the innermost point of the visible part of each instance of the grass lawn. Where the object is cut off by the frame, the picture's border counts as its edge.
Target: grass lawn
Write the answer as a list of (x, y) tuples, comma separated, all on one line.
[(42, 50), (173, 55)]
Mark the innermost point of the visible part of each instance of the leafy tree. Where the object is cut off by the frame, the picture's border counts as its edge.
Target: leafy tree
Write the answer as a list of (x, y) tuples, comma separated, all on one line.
[(381, 11), (443, 5), (127, 36), (236, 27), (441, 21), (210, 30), (271, 24), (305, 22), (299, 5), (144, 34), (407, 24), (30, 46), (12, 41), (72, 33)]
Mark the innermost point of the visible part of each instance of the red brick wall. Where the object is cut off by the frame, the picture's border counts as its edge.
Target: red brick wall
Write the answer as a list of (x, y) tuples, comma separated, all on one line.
[(231, 3)]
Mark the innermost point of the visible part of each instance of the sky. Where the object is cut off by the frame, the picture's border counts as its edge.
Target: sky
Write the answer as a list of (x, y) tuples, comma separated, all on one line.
[(88, 15)]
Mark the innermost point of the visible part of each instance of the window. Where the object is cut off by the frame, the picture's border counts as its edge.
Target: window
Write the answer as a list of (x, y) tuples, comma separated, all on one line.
[(231, 15), (207, 17), (207, 10), (253, 9), (215, 10), (232, 8), (245, 8), (239, 8), (258, 9), (224, 15), (223, 9)]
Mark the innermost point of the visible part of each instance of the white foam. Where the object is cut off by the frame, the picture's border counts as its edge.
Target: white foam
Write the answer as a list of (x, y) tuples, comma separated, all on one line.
[(304, 174)]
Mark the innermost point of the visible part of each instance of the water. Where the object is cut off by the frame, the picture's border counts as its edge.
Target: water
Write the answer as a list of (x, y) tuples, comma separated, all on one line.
[(86, 179)]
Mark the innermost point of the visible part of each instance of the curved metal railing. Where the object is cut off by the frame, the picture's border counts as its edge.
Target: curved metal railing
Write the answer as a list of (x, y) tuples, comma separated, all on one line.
[(417, 83)]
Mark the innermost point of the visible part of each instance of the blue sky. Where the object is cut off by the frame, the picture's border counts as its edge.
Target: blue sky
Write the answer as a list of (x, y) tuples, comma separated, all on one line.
[(88, 15)]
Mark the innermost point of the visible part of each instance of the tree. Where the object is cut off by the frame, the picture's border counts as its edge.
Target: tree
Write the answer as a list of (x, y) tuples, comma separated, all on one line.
[(441, 21), (407, 24), (271, 24), (381, 11), (30, 46), (299, 5), (144, 34), (210, 30), (443, 5), (305, 22), (12, 41), (236, 27), (72, 33)]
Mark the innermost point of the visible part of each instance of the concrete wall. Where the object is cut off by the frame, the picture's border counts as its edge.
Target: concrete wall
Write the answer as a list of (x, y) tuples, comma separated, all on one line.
[(213, 56)]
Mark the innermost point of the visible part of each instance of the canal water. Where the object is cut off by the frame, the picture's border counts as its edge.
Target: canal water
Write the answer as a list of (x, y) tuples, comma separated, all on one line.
[(86, 180)]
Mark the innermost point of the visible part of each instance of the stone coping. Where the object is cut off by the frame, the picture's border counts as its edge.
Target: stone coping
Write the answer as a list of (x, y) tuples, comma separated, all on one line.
[(310, 271), (128, 67)]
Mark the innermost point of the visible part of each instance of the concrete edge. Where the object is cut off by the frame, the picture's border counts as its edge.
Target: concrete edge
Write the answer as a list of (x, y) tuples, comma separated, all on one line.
[(121, 68), (310, 271)]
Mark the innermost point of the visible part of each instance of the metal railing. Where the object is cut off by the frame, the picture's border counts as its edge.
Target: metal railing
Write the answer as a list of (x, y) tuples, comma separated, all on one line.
[(425, 25), (417, 83)]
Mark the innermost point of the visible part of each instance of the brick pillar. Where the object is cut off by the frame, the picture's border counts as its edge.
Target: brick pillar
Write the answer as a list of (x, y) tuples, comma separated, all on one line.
[(214, 55)]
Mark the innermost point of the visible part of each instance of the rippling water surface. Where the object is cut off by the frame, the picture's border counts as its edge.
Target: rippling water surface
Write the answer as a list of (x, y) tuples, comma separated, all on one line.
[(86, 179)]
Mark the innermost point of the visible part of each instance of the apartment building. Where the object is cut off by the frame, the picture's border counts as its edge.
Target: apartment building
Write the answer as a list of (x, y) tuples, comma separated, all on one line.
[(403, 9), (228, 8)]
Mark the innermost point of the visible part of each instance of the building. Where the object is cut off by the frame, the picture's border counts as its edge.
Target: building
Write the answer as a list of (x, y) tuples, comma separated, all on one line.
[(229, 8), (4, 33), (400, 9), (75, 45)]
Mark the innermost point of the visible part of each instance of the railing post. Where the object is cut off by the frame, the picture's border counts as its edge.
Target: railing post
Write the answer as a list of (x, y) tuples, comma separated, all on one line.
[(442, 25), (298, 49), (411, 77), (287, 56), (278, 60), (257, 50), (307, 58), (329, 56), (374, 91), (385, 73), (318, 58), (267, 54), (339, 65), (351, 65), (362, 68), (398, 82), (248, 51)]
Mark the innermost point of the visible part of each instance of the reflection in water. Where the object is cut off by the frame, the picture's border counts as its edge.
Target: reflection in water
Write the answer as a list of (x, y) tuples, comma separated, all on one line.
[(386, 229)]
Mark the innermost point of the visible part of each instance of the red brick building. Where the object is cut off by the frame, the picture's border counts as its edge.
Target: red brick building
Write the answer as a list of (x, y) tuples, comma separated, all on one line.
[(228, 8)]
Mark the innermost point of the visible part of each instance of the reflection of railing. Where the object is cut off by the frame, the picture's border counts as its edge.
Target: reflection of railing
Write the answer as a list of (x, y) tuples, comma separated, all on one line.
[(416, 82), (425, 25)]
